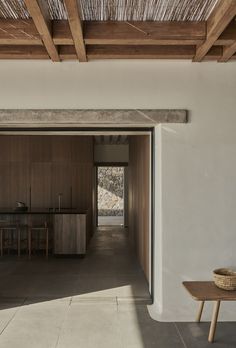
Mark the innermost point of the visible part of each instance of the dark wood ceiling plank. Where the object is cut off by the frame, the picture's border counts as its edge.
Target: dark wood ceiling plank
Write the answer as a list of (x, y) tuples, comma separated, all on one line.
[(220, 18), (75, 23), (39, 12)]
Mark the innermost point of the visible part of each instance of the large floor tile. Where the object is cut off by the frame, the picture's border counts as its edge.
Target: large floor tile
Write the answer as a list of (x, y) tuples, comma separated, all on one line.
[(195, 335), (138, 330), (35, 325), (8, 309), (91, 325)]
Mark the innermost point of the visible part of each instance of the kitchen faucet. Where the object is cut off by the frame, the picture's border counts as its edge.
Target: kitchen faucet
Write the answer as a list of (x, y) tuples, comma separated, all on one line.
[(59, 201)]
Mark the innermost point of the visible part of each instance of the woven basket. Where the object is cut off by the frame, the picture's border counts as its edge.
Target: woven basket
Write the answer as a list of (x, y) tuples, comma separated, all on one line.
[(225, 278)]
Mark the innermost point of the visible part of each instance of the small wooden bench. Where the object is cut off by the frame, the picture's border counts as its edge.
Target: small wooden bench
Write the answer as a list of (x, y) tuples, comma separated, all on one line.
[(208, 291)]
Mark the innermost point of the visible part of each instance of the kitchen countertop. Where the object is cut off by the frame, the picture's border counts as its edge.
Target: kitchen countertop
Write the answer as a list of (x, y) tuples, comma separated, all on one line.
[(4, 211)]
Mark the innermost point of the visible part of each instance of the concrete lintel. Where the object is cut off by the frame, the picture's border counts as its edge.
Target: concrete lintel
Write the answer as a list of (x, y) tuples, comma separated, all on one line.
[(21, 118)]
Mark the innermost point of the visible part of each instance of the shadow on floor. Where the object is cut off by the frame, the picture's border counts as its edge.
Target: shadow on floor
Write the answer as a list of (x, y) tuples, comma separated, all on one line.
[(107, 290)]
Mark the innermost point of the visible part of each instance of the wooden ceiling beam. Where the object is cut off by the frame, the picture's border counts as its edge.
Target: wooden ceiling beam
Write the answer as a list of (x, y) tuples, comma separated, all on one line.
[(23, 52), (150, 52), (24, 32), (229, 49), (140, 52), (144, 33), (115, 33), (130, 52), (39, 12), (76, 27), (109, 52), (220, 18)]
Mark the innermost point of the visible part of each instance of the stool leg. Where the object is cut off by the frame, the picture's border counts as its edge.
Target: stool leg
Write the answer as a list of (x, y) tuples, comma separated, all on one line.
[(29, 242), (199, 314), (9, 233), (18, 242), (47, 243), (214, 321), (1, 243)]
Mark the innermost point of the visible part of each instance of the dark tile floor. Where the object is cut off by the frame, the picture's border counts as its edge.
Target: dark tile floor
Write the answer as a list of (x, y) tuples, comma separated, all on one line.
[(98, 301)]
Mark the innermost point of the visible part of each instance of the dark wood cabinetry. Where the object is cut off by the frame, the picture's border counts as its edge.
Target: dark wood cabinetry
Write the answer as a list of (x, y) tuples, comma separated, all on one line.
[(36, 169), (48, 166), (70, 234)]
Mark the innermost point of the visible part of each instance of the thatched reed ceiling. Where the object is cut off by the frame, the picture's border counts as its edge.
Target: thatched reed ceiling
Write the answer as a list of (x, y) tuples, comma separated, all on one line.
[(156, 10), (13, 9), (121, 10)]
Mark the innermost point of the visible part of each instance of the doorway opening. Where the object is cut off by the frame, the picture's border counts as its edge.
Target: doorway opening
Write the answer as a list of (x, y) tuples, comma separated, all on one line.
[(110, 195), (65, 164)]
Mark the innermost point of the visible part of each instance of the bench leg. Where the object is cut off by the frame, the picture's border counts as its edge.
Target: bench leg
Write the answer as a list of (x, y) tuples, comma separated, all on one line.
[(214, 321), (199, 314)]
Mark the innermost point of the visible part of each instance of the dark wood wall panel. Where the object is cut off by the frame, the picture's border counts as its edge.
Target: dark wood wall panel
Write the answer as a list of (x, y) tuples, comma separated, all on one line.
[(49, 165), (40, 148), (62, 184), (40, 183), (62, 149), (82, 149), (14, 149), (19, 177), (5, 187), (139, 197)]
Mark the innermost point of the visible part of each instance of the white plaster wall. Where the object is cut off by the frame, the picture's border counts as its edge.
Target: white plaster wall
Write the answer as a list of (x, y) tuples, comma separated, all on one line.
[(196, 163)]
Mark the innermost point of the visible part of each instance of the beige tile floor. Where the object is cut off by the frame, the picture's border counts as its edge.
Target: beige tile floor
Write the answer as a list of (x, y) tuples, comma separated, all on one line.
[(98, 301)]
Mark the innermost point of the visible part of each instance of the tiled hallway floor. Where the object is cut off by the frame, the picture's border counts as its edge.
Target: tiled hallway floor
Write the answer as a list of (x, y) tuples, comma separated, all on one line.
[(98, 301)]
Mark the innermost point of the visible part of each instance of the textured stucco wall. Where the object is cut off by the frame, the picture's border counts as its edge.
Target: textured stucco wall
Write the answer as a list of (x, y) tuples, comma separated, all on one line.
[(196, 167)]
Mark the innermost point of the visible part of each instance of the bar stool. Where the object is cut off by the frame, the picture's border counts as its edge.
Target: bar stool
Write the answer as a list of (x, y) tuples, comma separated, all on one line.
[(38, 228), (5, 226)]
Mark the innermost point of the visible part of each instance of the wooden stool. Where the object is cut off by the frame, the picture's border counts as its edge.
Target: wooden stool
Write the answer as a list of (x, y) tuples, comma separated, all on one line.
[(207, 291), (5, 226), (38, 228)]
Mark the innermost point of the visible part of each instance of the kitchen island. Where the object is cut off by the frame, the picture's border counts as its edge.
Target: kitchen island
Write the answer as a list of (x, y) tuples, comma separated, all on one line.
[(68, 227)]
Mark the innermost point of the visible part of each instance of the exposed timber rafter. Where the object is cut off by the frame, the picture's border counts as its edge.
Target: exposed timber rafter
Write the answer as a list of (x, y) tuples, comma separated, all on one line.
[(220, 18), (75, 23), (228, 52), (39, 12)]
